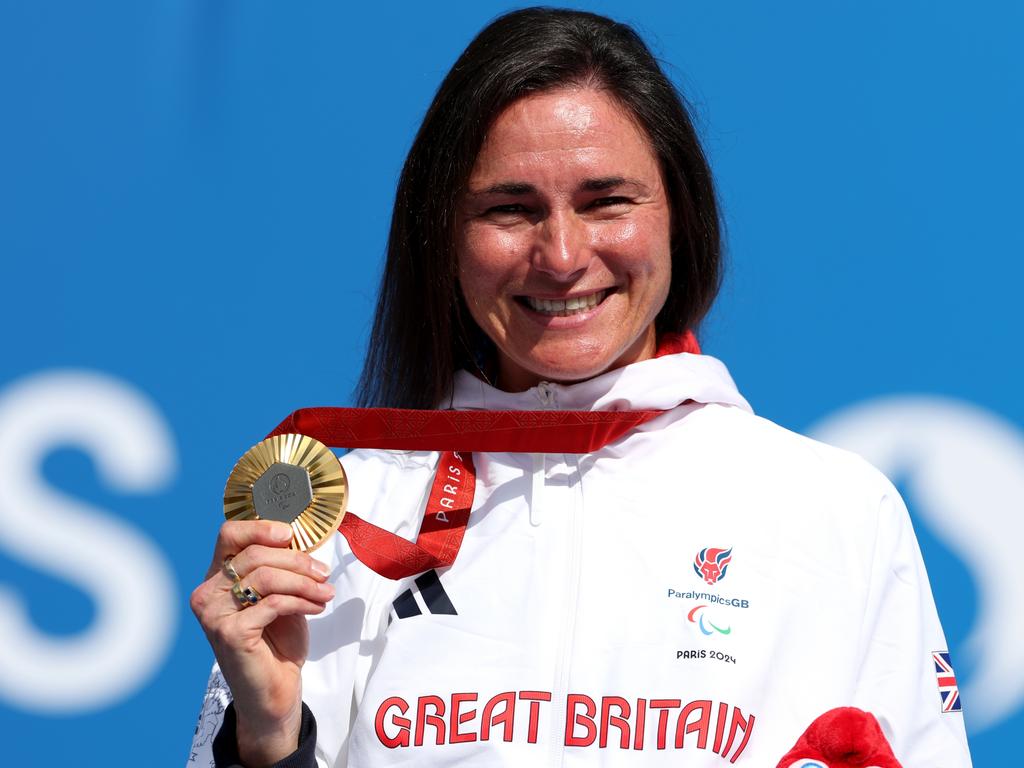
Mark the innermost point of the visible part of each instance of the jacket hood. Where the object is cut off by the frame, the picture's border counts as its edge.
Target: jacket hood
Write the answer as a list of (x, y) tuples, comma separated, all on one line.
[(656, 384)]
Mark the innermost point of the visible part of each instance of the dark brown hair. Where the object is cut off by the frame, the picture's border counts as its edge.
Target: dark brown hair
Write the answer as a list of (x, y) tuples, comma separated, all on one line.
[(422, 331)]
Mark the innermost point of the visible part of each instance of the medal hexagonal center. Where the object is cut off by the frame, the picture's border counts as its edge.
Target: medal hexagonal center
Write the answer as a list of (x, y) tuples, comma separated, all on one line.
[(282, 492)]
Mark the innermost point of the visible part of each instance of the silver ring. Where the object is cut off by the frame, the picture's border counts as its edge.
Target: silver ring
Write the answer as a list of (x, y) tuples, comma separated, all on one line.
[(229, 569), (246, 596)]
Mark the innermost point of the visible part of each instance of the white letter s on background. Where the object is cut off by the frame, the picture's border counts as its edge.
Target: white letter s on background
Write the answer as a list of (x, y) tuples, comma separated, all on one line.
[(128, 578)]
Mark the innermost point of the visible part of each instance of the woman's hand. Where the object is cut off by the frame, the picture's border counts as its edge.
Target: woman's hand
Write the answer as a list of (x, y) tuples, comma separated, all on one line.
[(261, 648)]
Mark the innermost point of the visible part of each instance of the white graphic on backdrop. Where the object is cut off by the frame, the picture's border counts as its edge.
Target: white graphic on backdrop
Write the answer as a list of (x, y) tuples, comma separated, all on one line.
[(964, 468), (122, 571)]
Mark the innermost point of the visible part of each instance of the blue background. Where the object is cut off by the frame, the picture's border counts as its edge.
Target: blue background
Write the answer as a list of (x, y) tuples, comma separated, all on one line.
[(185, 184)]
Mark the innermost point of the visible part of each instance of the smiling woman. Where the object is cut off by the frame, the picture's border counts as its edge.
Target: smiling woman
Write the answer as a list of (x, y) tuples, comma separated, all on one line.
[(616, 597), (556, 163), (563, 239)]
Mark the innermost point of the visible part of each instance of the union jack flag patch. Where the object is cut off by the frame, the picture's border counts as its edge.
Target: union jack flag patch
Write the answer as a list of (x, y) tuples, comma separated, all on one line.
[(946, 678)]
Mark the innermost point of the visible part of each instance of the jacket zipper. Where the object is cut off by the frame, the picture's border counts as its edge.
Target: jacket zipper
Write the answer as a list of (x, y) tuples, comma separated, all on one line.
[(567, 639), (547, 395)]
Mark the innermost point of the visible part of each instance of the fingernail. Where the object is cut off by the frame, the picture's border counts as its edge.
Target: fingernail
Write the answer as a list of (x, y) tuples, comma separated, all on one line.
[(322, 568), (327, 590), (281, 532)]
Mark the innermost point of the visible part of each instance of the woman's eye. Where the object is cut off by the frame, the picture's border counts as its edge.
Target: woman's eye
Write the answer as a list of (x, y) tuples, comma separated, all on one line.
[(607, 202), (507, 208)]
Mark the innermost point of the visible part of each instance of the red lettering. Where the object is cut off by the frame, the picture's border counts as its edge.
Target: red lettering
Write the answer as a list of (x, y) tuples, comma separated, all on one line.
[(586, 724), (608, 720), (401, 739), (641, 715), (506, 719), (423, 719), (747, 726), (723, 712), (572, 719), (534, 697), (700, 727), (457, 718), (664, 705), (738, 723)]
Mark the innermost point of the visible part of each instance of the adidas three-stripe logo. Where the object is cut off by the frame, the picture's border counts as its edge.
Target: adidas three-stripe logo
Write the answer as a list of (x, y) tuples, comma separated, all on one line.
[(431, 596)]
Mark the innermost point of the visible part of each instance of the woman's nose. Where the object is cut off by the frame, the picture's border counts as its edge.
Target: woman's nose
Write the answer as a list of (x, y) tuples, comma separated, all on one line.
[(562, 249)]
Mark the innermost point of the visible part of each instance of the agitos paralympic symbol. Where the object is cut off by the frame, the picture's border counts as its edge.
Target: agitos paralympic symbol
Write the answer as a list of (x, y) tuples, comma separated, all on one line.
[(693, 618)]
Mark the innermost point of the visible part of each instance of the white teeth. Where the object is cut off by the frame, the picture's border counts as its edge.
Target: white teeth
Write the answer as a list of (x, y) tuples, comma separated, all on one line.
[(564, 307)]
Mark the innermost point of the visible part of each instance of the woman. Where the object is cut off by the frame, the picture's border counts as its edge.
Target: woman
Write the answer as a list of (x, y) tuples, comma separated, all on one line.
[(708, 583)]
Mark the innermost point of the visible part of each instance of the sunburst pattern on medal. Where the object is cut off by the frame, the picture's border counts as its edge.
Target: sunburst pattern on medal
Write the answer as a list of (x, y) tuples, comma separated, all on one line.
[(313, 525)]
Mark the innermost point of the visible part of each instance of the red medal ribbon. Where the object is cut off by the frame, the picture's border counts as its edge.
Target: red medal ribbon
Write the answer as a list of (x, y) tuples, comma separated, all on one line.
[(457, 434), (511, 431), (440, 536)]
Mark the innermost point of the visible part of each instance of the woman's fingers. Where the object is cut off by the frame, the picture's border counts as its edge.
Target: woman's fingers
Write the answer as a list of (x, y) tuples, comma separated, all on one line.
[(236, 535), (257, 555), (274, 581), (275, 606), (214, 600), (230, 625), (245, 629), (262, 560)]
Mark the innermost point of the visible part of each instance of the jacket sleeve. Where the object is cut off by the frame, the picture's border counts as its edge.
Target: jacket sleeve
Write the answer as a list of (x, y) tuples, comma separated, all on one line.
[(214, 744), (211, 716), (899, 635), (225, 745)]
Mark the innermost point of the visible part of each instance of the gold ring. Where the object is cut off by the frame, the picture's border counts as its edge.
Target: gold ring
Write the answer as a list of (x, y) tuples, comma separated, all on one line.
[(229, 569), (247, 596)]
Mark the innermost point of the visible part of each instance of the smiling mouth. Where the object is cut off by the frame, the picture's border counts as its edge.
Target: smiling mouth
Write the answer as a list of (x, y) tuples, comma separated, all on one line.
[(564, 307)]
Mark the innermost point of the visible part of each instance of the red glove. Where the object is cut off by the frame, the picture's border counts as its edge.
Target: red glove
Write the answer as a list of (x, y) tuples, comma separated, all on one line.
[(845, 737)]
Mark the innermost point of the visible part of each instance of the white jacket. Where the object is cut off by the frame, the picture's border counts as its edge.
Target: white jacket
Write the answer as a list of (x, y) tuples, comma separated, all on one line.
[(574, 629)]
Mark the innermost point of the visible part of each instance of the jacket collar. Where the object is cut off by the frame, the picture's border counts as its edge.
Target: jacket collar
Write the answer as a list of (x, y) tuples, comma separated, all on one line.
[(660, 383)]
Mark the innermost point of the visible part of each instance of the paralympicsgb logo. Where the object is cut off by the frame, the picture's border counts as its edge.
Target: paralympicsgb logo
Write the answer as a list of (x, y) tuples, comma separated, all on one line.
[(711, 563)]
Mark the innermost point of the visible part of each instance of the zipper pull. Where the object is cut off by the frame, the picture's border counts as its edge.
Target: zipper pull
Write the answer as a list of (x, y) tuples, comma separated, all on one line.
[(545, 393)]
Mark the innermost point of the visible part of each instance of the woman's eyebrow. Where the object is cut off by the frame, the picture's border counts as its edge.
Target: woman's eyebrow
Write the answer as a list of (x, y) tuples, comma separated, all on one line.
[(518, 188), (505, 188), (610, 182)]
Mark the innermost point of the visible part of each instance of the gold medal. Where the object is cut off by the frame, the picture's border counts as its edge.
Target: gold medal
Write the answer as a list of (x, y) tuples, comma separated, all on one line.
[(294, 479)]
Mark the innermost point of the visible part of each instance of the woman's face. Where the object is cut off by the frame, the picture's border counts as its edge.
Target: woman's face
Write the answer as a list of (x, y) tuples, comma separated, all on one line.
[(563, 239)]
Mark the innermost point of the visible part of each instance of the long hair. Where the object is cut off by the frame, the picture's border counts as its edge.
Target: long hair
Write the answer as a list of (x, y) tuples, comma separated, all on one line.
[(422, 331)]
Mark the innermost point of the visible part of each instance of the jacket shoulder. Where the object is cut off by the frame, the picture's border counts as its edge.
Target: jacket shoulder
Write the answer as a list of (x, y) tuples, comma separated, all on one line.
[(793, 457)]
